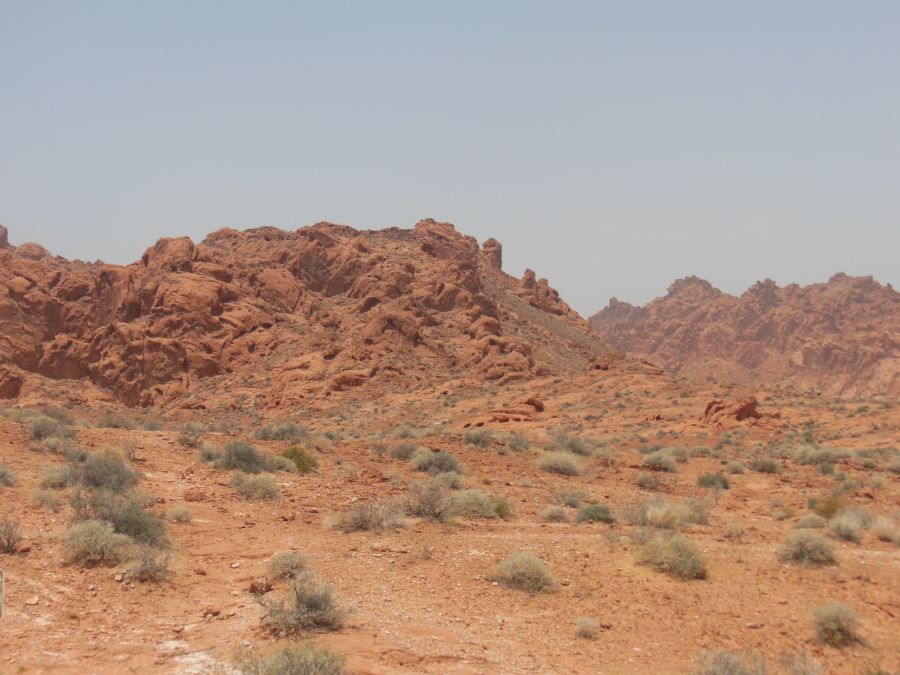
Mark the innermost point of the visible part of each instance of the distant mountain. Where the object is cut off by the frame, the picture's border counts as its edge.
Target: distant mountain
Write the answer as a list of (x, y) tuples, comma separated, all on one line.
[(841, 337)]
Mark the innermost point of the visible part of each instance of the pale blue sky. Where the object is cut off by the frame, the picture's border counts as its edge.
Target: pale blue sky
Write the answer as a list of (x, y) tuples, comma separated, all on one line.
[(611, 146)]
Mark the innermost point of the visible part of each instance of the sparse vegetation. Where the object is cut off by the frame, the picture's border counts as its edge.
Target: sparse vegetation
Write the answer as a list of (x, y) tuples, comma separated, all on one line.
[(766, 465), (571, 498), (586, 627), (191, 433), (807, 548), (287, 565), (731, 663), (10, 534), (366, 516), (434, 462), (309, 605), (525, 572), (554, 514), (594, 513), (259, 486), (93, 542), (294, 660), (303, 461), (180, 514), (150, 564), (282, 431), (404, 451), (46, 499), (660, 460), (477, 504), (429, 500), (648, 481), (674, 555), (735, 467), (715, 481), (480, 438), (55, 477), (560, 441), (811, 521), (847, 526), (836, 624), (6, 476), (560, 463), (126, 513), (43, 426), (106, 470), (241, 456)]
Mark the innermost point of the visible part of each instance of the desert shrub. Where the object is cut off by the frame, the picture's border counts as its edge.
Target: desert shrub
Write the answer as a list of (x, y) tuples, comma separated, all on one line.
[(731, 663), (150, 564), (224, 425), (811, 522), (404, 451), (309, 605), (586, 627), (407, 431), (594, 513), (813, 455), (847, 526), (701, 451), (366, 516), (801, 663), (94, 542), (525, 572), (886, 529), (660, 460), (828, 507), (554, 514), (287, 565), (55, 477), (279, 463), (480, 438), (449, 479), (560, 441), (10, 534), (472, 504), (55, 445), (180, 514), (836, 624), (126, 513), (430, 500), (766, 465), (303, 461), (502, 507), (46, 499), (515, 441), (434, 462), (735, 467), (571, 498), (294, 660), (191, 433), (648, 481), (560, 463), (6, 476), (658, 513), (282, 431), (680, 455), (893, 466), (209, 454), (715, 481), (674, 555), (42, 427), (259, 486), (111, 420), (807, 548), (240, 456), (104, 470)]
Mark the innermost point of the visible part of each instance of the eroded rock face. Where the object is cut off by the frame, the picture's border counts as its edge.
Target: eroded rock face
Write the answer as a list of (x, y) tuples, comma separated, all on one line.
[(839, 338), (300, 314)]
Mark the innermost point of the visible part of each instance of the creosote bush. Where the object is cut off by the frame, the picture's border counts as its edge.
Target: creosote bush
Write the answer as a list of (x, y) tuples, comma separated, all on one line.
[(94, 542), (525, 572), (715, 481), (836, 624), (434, 462), (586, 627), (180, 514), (847, 526), (309, 605), (303, 461), (366, 516), (660, 460), (259, 486), (282, 431), (571, 498), (674, 555), (554, 514), (807, 548), (287, 565), (294, 660), (429, 500), (480, 438), (106, 470), (594, 513), (560, 463), (241, 456)]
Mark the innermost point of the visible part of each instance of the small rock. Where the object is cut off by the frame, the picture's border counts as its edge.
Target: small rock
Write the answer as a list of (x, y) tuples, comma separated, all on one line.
[(200, 571), (119, 578), (235, 565), (33, 600)]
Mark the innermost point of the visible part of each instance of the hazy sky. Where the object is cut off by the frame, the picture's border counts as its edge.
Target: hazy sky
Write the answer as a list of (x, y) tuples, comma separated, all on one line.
[(610, 146)]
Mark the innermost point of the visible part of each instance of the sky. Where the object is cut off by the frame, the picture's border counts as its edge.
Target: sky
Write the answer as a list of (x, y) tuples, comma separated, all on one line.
[(610, 146)]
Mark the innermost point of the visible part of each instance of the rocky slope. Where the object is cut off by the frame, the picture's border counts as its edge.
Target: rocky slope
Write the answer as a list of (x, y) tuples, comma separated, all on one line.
[(839, 338), (276, 317)]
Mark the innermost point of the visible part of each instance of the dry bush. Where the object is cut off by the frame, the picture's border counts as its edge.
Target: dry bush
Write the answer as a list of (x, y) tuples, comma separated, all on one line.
[(105, 470), (127, 514), (886, 529), (10, 534), (309, 605), (766, 465), (43, 426), (480, 438), (46, 499), (366, 516), (560, 441), (660, 460), (731, 663), (807, 548), (191, 433), (240, 456), (829, 506), (715, 481), (836, 624), (282, 431), (294, 660), (55, 477), (434, 462), (571, 498), (586, 627), (847, 526), (560, 463), (180, 514), (6, 476), (735, 467), (594, 513), (658, 513), (525, 572), (811, 522), (515, 441), (260, 486), (287, 565), (405, 451), (303, 461), (648, 480), (430, 500), (674, 555), (111, 420), (554, 514), (151, 564), (94, 542)]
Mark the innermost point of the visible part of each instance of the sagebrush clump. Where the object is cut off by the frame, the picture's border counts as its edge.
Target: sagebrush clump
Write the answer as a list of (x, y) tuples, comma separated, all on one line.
[(836, 624), (259, 486), (560, 463), (674, 555), (660, 460), (309, 605), (287, 565), (94, 542), (807, 548), (303, 461), (525, 572)]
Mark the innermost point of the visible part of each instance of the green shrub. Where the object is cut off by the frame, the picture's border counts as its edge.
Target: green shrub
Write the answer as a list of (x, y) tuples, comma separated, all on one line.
[(366, 516), (430, 500), (836, 624), (10, 534), (287, 565), (303, 460), (42, 427), (560, 463), (554, 514), (525, 572), (241, 456), (191, 433), (104, 470), (715, 481), (765, 465), (260, 486), (404, 451), (434, 462), (46, 499), (480, 438), (180, 514), (6, 476), (811, 522), (126, 513), (674, 555), (594, 513), (309, 605), (55, 477), (807, 548), (586, 627), (93, 542), (660, 460), (294, 660), (282, 431)]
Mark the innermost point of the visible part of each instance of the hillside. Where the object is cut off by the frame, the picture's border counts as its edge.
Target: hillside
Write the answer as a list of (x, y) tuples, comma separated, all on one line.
[(840, 338)]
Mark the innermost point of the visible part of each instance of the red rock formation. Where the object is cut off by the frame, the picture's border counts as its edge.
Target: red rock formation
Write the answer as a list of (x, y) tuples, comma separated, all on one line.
[(297, 315), (840, 338)]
